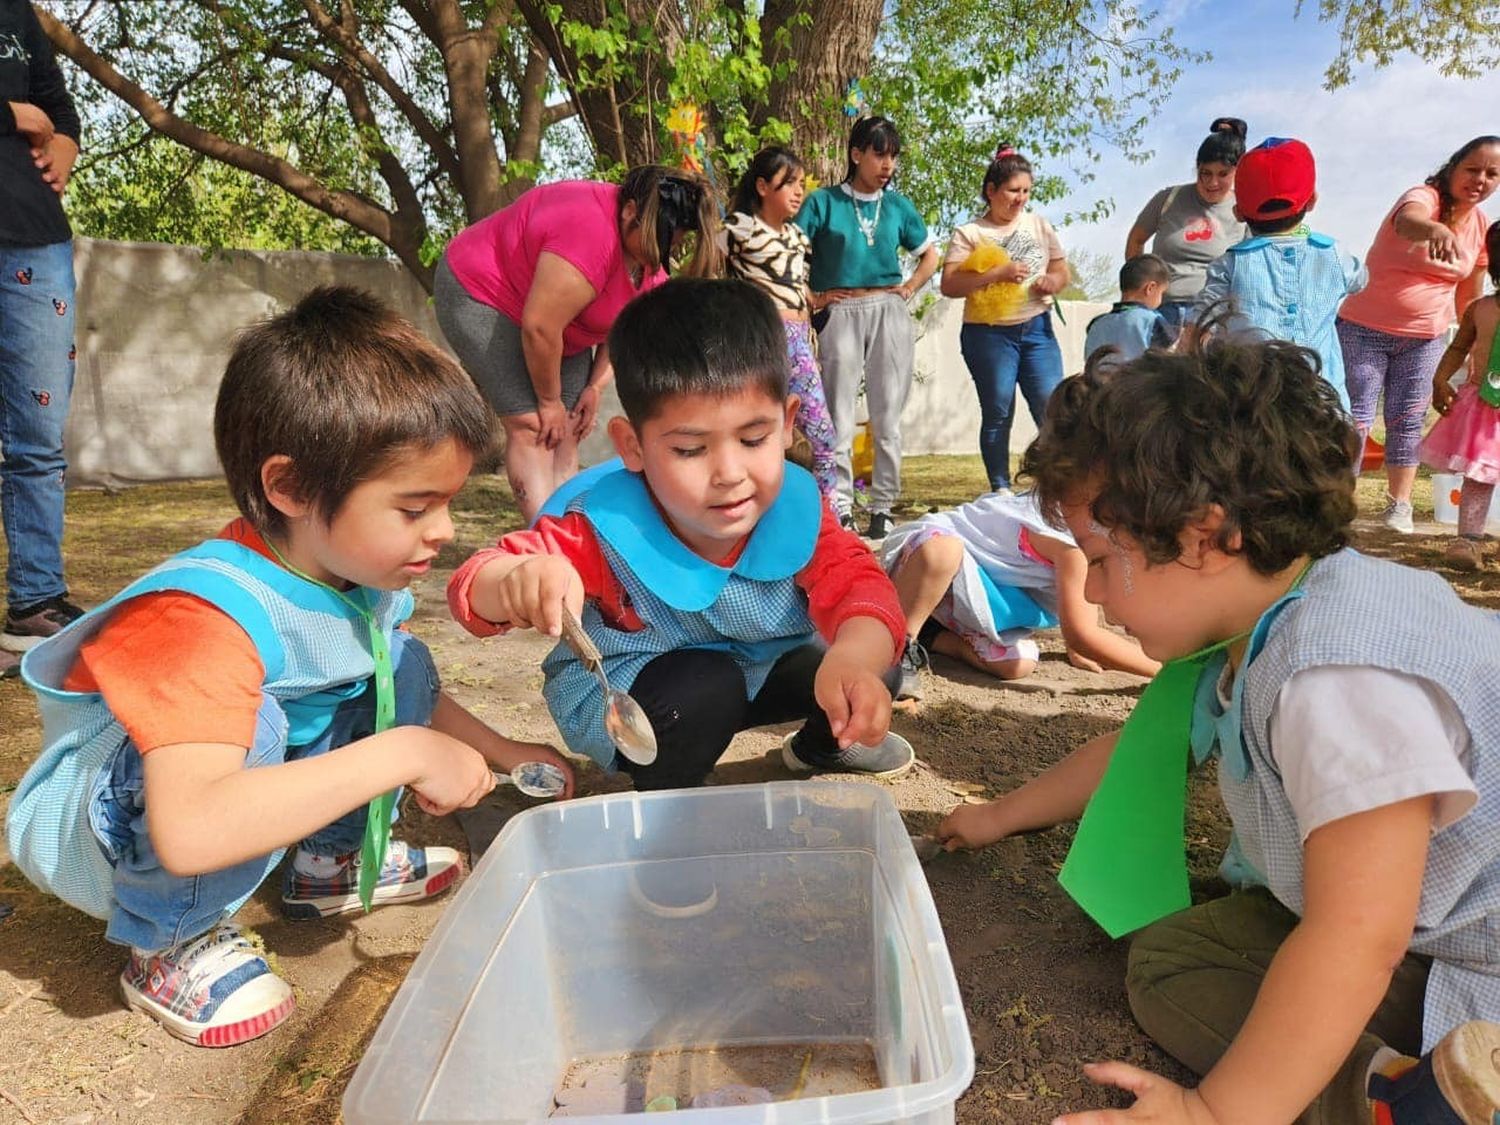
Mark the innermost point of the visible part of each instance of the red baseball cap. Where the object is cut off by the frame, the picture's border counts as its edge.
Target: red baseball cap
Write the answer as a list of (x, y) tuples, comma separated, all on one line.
[(1276, 178)]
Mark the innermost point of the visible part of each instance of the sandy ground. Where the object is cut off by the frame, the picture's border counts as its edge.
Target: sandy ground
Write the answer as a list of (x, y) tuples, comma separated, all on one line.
[(1041, 984)]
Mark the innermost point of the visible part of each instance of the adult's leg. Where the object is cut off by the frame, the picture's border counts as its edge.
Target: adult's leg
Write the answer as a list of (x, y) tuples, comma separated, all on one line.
[(1408, 393), (488, 344), (924, 576), (1193, 977), (1366, 355), (841, 344), (888, 375), (1041, 366), (695, 699), (36, 385), (992, 354)]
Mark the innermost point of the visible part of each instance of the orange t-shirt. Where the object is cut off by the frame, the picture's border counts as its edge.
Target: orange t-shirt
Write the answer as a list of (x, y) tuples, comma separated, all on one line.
[(174, 668)]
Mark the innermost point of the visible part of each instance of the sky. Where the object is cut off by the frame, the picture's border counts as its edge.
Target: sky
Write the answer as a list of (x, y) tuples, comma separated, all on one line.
[(1385, 132)]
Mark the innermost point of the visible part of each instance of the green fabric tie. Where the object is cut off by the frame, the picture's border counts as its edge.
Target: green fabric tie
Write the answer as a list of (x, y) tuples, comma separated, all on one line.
[(1128, 863), (378, 817), (1489, 382)]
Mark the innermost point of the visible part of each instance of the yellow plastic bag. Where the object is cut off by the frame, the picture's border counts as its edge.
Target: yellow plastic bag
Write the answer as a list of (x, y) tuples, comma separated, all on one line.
[(862, 457), (1001, 301)]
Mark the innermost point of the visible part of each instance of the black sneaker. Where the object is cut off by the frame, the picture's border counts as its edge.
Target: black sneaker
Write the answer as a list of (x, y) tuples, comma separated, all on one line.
[(846, 520), (880, 525), (913, 660), (28, 626), (891, 758)]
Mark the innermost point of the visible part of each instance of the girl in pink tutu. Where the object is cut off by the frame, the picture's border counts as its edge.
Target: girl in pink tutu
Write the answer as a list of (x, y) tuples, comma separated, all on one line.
[(1467, 438)]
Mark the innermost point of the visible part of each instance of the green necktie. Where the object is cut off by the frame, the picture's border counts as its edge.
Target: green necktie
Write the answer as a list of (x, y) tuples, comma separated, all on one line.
[(378, 819), (1128, 863)]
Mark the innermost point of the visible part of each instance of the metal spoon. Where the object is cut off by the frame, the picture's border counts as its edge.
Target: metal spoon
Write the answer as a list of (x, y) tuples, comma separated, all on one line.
[(624, 721), (534, 779)]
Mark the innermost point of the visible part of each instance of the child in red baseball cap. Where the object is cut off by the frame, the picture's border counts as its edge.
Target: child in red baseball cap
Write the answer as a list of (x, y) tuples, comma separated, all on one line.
[(1285, 281)]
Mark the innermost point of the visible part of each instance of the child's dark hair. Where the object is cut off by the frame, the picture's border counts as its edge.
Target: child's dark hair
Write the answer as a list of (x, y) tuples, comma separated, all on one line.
[(878, 133), (696, 336), (1225, 143), (1251, 427), (775, 165), (1492, 248), (668, 200), (1140, 270), (1279, 225), (1442, 179), (1007, 162), (343, 386)]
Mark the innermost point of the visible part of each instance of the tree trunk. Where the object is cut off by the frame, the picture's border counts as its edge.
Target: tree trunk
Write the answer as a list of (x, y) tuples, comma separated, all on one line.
[(827, 53)]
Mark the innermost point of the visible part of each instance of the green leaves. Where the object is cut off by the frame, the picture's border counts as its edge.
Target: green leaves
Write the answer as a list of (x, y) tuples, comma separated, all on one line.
[(1459, 37)]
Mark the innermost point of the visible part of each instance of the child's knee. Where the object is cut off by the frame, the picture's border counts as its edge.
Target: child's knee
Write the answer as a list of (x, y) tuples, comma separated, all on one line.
[(942, 553)]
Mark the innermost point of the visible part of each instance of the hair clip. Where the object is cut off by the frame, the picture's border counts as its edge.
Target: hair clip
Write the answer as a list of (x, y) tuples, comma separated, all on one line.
[(1004, 151)]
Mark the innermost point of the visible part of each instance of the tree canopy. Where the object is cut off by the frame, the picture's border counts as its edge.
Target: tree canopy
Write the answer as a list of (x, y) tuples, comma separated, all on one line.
[(390, 124)]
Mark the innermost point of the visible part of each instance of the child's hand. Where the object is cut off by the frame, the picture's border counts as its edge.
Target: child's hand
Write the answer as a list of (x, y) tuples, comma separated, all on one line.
[(532, 594), (1078, 660), (507, 757), (1443, 395), (454, 776), (971, 826), (857, 703), (1156, 1099)]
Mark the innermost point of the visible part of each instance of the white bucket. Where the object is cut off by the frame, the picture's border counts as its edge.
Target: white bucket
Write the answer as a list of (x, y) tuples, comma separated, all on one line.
[(1445, 493)]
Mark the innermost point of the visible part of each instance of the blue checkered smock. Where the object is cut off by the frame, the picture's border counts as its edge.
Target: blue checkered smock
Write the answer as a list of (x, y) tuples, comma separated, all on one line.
[(1355, 610), (753, 610), (316, 653), (1288, 287)]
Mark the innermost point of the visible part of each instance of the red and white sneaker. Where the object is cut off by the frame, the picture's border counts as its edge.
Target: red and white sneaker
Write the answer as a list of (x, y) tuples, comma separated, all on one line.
[(214, 990), (409, 875)]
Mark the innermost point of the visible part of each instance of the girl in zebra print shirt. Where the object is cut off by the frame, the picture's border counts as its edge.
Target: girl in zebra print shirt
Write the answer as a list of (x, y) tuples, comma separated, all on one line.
[(764, 247)]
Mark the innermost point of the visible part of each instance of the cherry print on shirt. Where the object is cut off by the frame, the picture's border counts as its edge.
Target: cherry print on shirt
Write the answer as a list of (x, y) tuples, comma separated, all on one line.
[(43, 398), (24, 275), (73, 352), (60, 306), (1199, 230)]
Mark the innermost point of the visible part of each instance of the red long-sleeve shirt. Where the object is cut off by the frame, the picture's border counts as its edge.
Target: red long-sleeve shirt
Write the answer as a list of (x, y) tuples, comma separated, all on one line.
[(841, 580)]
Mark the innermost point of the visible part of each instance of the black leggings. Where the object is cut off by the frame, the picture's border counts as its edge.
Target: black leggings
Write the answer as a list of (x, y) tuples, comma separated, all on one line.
[(696, 701)]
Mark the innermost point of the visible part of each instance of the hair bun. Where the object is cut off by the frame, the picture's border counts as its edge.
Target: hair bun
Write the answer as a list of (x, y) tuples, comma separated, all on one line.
[(1004, 149), (1231, 125)]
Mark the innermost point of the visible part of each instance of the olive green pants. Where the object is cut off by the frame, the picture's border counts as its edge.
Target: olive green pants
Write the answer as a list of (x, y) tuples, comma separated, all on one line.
[(1192, 978)]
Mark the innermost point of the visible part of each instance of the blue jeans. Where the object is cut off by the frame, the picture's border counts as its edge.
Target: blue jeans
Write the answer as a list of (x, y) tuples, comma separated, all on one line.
[(36, 382), (155, 909), (999, 357)]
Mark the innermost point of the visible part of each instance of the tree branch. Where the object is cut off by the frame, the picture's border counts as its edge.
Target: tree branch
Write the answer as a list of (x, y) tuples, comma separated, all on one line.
[(355, 51)]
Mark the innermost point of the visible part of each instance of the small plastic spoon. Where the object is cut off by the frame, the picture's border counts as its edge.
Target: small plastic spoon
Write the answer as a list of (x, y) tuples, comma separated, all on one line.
[(534, 779), (624, 721)]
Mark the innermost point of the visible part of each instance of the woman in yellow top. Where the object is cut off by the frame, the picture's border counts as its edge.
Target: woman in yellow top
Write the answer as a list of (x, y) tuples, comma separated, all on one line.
[(1007, 264)]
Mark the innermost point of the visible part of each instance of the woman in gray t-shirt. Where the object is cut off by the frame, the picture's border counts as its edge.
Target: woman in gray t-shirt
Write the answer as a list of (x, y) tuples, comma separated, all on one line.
[(1192, 224)]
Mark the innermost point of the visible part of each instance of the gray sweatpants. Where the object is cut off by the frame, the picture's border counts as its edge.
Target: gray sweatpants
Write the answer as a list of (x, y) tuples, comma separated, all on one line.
[(870, 341)]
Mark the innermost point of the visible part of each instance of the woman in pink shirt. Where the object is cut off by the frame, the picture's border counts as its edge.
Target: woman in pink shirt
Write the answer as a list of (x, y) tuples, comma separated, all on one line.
[(1426, 264), (526, 298)]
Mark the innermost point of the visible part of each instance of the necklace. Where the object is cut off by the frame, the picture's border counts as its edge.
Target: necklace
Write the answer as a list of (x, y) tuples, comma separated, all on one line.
[(868, 226)]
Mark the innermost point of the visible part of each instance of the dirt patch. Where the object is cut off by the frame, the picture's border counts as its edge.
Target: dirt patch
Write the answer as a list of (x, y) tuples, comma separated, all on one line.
[(1042, 985)]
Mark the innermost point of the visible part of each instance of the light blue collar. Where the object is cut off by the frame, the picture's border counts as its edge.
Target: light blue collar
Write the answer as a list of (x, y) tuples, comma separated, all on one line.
[(623, 514), (1313, 238), (1223, 728)]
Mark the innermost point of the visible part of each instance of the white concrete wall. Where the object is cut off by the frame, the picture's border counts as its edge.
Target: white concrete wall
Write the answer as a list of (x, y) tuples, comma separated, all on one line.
[(156, 324)]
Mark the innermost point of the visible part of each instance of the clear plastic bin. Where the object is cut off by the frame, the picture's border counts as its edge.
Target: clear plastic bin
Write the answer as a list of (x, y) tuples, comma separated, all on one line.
[(821, 929)]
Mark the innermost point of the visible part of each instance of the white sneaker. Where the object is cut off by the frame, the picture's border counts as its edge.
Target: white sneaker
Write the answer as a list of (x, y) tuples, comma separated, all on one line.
[(1397, 515), (214, 990)]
